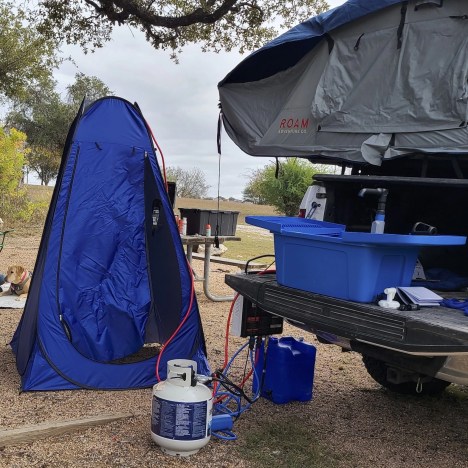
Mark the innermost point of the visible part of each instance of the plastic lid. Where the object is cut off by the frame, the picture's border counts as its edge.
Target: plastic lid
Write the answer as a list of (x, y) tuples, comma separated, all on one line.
[(279, 224)]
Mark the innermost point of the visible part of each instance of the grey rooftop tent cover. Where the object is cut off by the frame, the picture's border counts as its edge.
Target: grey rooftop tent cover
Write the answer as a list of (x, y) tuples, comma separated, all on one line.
[(367, 81)]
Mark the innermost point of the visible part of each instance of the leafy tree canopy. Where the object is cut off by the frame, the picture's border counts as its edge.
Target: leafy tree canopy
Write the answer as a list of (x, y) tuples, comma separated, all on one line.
[(12, 155), (90, 87), (45, 118), (190, 183), (171, 24), (284, 192), (14, 204), (27, 58)]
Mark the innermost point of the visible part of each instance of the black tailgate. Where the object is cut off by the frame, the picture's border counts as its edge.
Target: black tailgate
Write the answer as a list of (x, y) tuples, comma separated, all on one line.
[(429, 330)]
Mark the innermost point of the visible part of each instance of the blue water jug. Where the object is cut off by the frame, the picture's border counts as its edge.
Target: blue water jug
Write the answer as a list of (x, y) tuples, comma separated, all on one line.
[(287, 372)]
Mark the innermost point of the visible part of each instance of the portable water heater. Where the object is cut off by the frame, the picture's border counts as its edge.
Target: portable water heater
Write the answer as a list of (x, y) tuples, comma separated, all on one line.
[(181, 410)]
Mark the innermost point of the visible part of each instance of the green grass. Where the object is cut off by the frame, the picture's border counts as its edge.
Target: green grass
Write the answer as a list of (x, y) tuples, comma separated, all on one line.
[(287, 444), (39, 193), (252, 245)]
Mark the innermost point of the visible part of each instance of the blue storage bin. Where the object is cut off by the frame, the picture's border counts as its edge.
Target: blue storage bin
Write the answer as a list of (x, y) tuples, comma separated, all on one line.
[(356, 272), (289, 370), (354, 266)]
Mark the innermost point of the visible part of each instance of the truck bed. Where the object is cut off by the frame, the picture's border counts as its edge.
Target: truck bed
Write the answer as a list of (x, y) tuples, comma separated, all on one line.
[(429, 331)]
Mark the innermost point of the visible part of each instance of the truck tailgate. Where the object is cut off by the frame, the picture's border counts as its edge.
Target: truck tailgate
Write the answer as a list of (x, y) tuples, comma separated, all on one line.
[(429, 331)]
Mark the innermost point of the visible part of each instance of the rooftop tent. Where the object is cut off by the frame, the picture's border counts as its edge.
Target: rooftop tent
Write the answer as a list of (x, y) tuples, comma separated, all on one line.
[(111, 273), (367, 81)]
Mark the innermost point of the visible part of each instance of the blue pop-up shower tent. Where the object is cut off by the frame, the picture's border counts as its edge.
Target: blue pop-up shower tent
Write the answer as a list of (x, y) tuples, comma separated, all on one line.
[(111, 273)]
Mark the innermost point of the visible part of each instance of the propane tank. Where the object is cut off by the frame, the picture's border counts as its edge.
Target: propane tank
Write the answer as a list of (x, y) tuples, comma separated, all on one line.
[(181, 411)]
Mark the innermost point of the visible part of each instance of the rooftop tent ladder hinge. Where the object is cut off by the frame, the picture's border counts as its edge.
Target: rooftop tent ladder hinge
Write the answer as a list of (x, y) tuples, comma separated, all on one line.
[(404, 8), (423, 3)]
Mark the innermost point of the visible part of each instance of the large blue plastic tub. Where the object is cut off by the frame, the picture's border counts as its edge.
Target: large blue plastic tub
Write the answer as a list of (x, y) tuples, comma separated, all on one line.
[(289, 370), (348, 265)]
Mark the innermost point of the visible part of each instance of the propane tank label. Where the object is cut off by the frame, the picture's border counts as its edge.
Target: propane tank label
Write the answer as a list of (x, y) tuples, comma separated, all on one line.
[(179, 420)]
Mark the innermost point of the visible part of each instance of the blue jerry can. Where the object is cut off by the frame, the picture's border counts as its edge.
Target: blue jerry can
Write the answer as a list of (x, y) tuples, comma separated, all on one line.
[(289, 370)]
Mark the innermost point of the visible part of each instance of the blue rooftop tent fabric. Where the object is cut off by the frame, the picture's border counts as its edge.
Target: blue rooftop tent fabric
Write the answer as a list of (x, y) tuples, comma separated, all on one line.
[(111, 273)]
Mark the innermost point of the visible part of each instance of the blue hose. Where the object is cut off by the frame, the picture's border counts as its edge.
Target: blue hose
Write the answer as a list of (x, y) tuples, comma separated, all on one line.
[(223, 408)]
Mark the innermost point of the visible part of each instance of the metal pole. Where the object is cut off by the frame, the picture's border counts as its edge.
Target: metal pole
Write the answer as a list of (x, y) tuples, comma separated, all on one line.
[(206, 274)]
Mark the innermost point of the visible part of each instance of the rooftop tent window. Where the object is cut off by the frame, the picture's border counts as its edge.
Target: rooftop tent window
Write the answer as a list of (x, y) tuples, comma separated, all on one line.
[(381, 89)]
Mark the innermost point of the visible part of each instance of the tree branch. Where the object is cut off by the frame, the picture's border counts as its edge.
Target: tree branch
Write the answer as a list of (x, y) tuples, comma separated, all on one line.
[(121, 10), (215, 24)]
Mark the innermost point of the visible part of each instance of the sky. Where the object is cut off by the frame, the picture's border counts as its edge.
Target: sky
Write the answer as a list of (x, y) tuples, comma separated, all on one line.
[(179, 101)]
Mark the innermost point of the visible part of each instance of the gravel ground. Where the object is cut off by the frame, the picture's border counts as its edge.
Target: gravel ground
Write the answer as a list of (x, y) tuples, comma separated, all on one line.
[(253, 229), (350, 414)]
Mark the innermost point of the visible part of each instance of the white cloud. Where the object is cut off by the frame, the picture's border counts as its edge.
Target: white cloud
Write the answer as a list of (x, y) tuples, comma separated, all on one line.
[(180, 102)]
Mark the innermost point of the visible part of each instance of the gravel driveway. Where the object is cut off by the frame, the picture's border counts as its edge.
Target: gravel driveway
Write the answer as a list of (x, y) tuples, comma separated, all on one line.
[(350, 414), (254, 229)]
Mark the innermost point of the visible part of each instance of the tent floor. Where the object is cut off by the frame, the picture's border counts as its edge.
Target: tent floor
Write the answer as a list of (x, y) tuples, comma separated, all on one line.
[(148, 351)]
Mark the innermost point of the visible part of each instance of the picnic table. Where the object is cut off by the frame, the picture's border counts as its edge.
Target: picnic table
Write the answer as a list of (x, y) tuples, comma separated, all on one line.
[(208, 241)]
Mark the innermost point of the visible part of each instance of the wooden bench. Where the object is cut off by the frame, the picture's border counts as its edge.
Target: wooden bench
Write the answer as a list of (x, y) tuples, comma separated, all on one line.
[(231, 261)]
